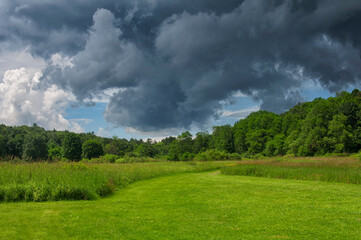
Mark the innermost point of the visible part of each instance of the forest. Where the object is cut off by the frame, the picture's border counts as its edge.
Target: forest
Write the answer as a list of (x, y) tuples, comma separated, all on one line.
[(319, 127)]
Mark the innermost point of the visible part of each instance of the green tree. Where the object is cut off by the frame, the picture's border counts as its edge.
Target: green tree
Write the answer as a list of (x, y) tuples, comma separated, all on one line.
[(35, 147), (292, 143), (252, 133), (92, 149), (15, 145), (256, 141), (3, 149), (146, 149), (72, 147), (173, 153), (222, 138), (240, 130), (183, 144), (275, 146), (315, 127), (339, 134), (201, 142), (116, 146)]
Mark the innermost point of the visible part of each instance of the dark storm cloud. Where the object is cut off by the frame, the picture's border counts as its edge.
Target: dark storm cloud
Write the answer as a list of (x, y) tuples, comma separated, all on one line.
[(174, 61), (51, 26), (105, 62)]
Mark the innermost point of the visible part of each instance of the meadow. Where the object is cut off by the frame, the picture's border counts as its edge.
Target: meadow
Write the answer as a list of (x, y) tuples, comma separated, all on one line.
[(82, 181), (196, 206), (250, 199)]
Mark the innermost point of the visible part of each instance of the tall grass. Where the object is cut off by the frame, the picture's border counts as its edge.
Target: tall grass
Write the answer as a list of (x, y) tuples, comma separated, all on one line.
[(344, 170), (76, 181)]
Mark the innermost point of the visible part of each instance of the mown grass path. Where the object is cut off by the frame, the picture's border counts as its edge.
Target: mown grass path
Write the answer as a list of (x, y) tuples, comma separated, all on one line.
[(196, 206)]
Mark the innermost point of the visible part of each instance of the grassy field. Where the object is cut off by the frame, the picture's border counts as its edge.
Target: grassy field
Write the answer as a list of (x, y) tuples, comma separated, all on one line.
[(339, 169), (196, 206), (80, 181)]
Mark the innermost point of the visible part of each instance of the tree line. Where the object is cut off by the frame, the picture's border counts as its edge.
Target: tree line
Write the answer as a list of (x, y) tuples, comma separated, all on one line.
[(319, 127)]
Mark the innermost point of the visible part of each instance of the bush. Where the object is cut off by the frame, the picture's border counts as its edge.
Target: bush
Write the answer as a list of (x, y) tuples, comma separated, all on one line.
[(187, 156), (356, 156), (234, 156), (54, 153), (109, 158), (258, 156), (211, 155), (246, 155)]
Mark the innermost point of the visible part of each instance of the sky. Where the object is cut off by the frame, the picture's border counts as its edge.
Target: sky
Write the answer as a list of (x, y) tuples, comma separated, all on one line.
[(156, 68)]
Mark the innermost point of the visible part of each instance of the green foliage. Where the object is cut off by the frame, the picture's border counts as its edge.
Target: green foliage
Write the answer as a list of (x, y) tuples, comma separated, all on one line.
[(252, 134), (182, 145), (275, 146), (54, 152), (146, 149), (111, 158), (187, 156), (173, 152), (35, 147), (92, 149), (2, 146), (116, 146), (202, 142), (72, 147), (107, 158), (215, 155), (234, 156), (15, 145), (339, 135), (211, 155), (222, 138)]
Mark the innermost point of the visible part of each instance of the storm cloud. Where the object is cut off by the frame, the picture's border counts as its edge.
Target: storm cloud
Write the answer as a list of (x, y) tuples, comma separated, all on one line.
[(172, 63)]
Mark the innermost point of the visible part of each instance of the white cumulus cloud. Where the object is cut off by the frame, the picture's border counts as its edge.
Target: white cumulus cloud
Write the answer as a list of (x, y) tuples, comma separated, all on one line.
[(24, 102)]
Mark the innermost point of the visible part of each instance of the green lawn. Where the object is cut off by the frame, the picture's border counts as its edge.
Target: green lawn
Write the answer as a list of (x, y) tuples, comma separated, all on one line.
[(196, 206)]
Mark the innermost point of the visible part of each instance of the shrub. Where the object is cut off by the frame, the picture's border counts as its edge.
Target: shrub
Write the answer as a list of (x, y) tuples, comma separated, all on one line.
[(234, 156), (259, 156), (54, 153), (211, 155), (246, 155), (109, 158), (187, 156)]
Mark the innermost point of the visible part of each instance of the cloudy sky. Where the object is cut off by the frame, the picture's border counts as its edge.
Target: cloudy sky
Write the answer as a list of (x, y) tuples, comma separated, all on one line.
[(154, 68)]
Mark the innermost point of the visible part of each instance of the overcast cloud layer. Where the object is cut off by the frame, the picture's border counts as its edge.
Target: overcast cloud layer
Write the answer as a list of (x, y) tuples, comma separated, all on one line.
[(173, 62)]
